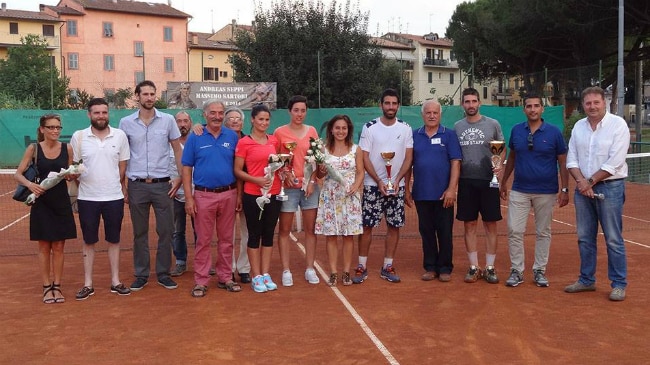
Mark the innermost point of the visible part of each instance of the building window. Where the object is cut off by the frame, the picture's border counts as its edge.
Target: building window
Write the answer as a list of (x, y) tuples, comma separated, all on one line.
[(138, 49), (48, 30), (452, 55), (71, 28), (169, 64), (168, 34), (108, 29), (223, 73), (73, 61), (210, 73), (139, 77), (109, 62), (485, 92), (451, 79), (13, 28), (430, 75)]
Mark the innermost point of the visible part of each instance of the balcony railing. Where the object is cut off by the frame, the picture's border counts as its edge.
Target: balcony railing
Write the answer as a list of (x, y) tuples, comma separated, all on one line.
[(14, 39), (437, 62)]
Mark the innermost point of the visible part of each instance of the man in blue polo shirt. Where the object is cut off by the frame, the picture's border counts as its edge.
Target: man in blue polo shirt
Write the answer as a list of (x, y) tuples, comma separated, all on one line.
[(536, 150), (436, 168), (208, 160)]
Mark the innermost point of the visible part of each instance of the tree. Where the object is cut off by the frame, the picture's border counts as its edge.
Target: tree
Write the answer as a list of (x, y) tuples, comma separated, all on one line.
[(293, 41), (512, 38), (392, 75), (29, 72)]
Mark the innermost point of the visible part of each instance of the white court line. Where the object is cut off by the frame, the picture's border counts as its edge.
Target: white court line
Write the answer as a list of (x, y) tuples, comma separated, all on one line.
[(601, 233), (380, 346), (14, 222)]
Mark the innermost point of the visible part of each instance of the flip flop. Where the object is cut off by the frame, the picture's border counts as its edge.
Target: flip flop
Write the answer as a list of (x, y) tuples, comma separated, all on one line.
[(199, 291)]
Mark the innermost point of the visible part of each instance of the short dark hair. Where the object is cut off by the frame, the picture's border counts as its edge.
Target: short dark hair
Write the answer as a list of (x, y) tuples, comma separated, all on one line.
[(143, 84), (96, 101), (470, 91), (296, 99), (389, 92), (532, 96)]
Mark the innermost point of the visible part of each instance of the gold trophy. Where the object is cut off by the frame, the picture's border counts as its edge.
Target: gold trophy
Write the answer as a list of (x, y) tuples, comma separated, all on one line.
[(496, 147), (387, 156), (284, 158), (291, 145)]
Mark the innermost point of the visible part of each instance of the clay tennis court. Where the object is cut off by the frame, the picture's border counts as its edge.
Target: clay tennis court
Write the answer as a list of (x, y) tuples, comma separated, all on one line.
[(377, 322)]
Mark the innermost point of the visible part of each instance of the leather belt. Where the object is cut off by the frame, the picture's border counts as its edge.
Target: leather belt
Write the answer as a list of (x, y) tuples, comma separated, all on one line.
[(220, 189), (608, 181), (154, 180)]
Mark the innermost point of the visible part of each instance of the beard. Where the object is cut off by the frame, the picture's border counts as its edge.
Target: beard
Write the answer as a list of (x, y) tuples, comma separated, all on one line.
[(184, 131), (389, 114), (99, 124)]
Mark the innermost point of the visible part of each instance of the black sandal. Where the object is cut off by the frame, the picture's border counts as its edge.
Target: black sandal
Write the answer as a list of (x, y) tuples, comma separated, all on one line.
[(333, 278), (57, 287), (47, 289)]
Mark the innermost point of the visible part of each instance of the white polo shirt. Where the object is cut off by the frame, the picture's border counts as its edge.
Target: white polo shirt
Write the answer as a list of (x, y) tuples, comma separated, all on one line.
[(101, 180)]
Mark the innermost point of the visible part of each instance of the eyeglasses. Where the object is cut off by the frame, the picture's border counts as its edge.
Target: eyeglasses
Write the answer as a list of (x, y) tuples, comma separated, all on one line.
[(530, 141), (234, 119), (53, 127)]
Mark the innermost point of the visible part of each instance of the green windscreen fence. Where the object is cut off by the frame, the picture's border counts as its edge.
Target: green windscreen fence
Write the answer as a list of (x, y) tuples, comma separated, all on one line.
[(18, 127)]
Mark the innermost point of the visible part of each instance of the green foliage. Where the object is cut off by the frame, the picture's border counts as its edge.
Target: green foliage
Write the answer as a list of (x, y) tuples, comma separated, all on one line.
[(293, 38), (512, 38), (120, 98), (78, 99), (29, 73), (446, 100), (570, 122), (392, 75), (160, 104), (8, 101)]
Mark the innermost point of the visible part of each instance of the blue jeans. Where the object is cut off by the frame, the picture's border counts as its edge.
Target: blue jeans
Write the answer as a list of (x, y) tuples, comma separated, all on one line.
[(179, 243), (608, 212)]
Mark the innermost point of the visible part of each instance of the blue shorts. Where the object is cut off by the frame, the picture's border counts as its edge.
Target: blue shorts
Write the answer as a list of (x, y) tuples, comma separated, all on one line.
[(89, 214), (297, 198), (375, 205)]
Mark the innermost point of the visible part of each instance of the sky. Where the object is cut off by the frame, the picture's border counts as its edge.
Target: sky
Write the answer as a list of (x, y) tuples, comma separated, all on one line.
[(406, 16)]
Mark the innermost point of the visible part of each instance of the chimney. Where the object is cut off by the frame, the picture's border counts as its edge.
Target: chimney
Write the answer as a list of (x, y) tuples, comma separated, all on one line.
[(4, 6), (195, 39)]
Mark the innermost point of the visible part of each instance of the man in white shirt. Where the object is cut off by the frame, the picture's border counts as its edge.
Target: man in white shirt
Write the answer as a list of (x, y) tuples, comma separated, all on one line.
[(596, 160), (105, 152)]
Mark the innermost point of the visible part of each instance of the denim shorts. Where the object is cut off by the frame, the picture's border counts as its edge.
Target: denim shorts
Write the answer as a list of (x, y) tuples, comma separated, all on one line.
[(297, 198)]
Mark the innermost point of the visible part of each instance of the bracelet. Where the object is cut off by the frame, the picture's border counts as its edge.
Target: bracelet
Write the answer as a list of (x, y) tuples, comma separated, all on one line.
[(312, 181)]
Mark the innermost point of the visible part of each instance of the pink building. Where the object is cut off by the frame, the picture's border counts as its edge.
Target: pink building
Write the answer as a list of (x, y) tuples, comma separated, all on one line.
[(114, 44)]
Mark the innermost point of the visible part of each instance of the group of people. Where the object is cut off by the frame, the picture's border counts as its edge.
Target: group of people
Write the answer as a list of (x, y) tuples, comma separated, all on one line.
[(214, 172)]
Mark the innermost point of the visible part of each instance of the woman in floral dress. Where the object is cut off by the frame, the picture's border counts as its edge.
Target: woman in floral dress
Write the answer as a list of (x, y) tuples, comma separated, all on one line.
[(339, 207)]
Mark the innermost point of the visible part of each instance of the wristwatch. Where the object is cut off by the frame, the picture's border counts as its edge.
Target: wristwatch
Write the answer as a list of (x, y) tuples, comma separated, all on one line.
[(565, 190), (590, 181)]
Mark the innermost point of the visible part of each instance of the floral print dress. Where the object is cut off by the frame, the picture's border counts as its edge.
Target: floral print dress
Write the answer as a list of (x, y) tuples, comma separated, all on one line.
[(339, 214)]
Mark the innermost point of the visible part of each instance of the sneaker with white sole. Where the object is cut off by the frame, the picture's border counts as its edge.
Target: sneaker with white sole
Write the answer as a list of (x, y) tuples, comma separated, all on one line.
[(540, 278), (617, 294), (268, 282), (388, 273), (515, 278), (360, 274), (287, 278), (258, 284), (311, 276)]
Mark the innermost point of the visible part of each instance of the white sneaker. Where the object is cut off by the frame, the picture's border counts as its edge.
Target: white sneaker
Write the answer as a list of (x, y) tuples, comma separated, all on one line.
[(311, 276), (287, 278)]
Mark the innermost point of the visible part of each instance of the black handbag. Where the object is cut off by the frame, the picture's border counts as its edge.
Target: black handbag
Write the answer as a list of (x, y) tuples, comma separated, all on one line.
[(22, 192)]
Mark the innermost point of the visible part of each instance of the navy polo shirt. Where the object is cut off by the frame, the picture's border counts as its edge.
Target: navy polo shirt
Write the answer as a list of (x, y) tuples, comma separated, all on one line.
[(536, 169), (212, 158), (432, 162)]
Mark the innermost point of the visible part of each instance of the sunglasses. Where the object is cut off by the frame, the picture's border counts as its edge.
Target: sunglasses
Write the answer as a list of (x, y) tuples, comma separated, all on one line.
[(53, 127), (530, 141)]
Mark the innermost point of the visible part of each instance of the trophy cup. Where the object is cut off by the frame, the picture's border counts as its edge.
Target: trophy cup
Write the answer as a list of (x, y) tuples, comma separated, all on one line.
[(284, 158), (496, 147), (291, 145), (387, 156)]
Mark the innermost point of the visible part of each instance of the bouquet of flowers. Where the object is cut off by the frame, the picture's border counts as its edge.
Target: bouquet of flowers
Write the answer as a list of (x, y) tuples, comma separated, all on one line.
[(54, 178), (315, 156), (274, 164)]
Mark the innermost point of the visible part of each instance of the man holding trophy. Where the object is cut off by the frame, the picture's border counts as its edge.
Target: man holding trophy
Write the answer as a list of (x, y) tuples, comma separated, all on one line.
[(481, 141), (387, 145)]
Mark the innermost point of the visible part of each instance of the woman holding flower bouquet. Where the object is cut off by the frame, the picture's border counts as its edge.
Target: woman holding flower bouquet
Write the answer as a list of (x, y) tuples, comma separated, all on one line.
[(302, 190), (51, 221), (339, 208), (256, 164)]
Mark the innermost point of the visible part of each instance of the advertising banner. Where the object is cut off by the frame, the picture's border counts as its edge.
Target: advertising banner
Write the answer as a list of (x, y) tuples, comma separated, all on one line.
[(244, 95)]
